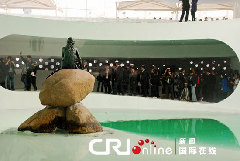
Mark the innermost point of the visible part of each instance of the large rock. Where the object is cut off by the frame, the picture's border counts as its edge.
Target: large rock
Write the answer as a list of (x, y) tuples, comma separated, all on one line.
[(45, 120), (66, 87), (80, 120)]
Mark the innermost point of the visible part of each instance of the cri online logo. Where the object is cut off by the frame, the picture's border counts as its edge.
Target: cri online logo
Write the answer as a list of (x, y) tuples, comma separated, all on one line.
[(115, 144), (186, 146)]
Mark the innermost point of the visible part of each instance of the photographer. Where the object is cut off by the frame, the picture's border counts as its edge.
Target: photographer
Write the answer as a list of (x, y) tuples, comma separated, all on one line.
[(28, 73), (10, 65)]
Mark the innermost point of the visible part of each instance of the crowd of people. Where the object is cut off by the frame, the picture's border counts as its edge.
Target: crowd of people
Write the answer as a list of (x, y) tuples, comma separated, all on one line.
[(28, 74), (209, 86), (193, 85)]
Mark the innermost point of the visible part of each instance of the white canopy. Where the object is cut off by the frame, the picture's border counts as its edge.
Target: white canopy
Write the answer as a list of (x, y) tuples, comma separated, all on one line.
[(27, 4), (172, 5)]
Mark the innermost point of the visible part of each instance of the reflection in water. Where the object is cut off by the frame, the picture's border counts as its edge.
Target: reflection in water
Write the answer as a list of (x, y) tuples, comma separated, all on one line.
[(206, 131)]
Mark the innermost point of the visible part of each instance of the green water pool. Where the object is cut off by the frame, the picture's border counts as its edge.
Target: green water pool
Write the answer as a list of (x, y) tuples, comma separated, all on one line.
[(206, 131)]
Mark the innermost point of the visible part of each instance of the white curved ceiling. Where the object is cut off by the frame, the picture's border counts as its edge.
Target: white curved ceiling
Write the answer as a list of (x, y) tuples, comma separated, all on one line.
[(31, 4), (171, 5)]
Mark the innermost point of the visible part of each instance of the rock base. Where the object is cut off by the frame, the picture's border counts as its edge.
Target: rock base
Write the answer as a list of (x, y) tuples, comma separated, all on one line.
[(74, 119)]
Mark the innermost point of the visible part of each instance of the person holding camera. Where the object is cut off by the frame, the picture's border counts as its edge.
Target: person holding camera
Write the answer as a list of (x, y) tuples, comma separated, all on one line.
[(10, 65), (28, 73)]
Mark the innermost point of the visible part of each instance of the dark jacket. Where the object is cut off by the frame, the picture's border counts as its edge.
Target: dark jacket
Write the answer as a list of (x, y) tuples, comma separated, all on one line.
[(185, 4), (193, 79), (155, 80), (194, 5), (10, 65), (119, 74), (29, 67), (144, 77), (105, 76), (3, 72)]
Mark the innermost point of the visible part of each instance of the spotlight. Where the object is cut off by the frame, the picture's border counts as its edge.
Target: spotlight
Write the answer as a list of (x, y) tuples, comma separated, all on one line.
[(90, 64), (40, 66), (22, 62), (17, 59), (100, 64), (127, 62), (17, 65), (52, 60), (40, 60), (46, 63), (52, 66), (111, 64)]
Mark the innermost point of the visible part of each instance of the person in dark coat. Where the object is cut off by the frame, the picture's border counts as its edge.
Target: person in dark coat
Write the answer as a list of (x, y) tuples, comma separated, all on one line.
[(193, 83), (118, 78), (133, 81), (100, 80), (154, 82), (107, 79), (33, 74), (114, 89), (194, 9), (138, 90), (169, 85), (29, 72), (10, 73), (185, 9), (125, 80), (3, 73), (144, 80), (208, 86)]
